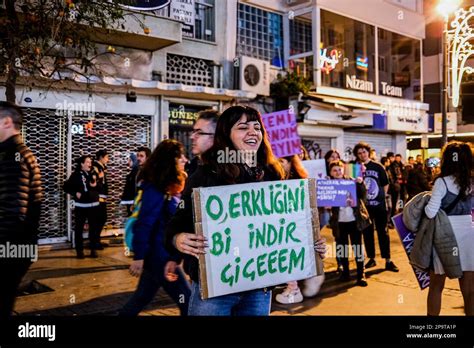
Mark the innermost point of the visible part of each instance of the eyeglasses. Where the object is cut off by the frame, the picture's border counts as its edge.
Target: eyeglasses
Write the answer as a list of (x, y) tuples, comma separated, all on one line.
[(198, 132)]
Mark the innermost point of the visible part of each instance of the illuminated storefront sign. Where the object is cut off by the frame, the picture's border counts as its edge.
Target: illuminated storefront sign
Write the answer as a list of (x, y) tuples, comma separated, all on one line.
[(362, 63), (361, 85), (328, 62), (391, 90)]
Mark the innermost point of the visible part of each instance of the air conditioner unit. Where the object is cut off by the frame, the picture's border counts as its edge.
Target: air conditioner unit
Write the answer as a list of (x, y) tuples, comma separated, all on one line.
[(254, 75), (297, 2)]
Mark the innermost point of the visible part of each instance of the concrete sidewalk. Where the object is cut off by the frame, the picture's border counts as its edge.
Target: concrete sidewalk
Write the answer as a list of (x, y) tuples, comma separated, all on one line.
[(102, 286)]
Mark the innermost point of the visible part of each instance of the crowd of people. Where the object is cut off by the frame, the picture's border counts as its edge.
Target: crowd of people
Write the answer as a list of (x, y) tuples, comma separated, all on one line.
[(165, 245)]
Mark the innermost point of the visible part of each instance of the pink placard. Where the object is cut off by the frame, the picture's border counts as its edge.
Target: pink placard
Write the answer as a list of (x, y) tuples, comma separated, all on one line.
[(282, 132)]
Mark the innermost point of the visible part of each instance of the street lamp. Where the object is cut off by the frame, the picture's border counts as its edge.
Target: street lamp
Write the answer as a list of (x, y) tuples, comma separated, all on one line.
[(445, 8)]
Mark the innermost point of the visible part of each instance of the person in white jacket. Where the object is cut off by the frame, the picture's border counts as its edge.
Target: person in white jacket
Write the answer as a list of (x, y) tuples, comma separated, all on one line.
[(452, 193)]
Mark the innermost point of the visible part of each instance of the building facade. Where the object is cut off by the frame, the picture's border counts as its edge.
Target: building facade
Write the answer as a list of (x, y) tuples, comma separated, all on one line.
[(366, 69), (155, 82), (364, 62)]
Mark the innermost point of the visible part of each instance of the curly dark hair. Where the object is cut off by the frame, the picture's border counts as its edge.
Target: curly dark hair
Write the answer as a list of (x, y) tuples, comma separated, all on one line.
[(361, 145), (161, 167), (456, 160), (230, 172)]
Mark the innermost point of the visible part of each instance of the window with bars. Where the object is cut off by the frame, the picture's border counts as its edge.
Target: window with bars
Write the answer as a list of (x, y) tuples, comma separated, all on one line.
[(204, 28), (260, 34), (301, 37), (204, 19)]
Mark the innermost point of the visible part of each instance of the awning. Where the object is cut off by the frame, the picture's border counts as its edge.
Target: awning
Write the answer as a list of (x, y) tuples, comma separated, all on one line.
[(353, 103), (178, 89)]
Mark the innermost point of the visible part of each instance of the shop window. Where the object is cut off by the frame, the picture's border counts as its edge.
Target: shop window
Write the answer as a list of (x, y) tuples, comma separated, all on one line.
[(347, 51), (301, 60), (181, 121), (403, 74), (260, 34)]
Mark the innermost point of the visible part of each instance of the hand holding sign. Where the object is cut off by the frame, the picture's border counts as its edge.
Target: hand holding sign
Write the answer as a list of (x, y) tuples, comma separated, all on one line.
[(191, 244), (260, 235), (320, 247)]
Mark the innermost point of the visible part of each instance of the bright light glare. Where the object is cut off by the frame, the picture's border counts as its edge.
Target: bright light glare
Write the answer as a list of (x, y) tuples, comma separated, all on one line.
[(447, 7)]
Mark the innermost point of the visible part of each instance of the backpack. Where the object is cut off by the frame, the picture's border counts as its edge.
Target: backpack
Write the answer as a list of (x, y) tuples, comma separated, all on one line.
[(132, 219)]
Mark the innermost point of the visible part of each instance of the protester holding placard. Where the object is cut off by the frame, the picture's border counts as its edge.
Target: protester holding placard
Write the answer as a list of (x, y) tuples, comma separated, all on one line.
[(239, 129), (164, 179), (376, 182), (350, 221)]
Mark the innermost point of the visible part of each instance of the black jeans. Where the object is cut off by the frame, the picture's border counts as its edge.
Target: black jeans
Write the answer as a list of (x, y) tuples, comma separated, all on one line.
[(151, 280), (12, 272), (395, 195), (379, 221), (91, 215), (102, 217), (347, 229)]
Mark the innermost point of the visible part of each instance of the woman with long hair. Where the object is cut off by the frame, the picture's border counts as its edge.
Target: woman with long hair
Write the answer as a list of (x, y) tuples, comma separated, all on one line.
[(163, 181), (452, 193), (239, 128), (331, 155)]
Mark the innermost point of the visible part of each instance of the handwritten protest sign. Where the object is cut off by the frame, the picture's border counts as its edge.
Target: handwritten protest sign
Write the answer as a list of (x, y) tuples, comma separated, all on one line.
[(259, 235), (408, 238), (282, 131), (316, 168), (336, 193)]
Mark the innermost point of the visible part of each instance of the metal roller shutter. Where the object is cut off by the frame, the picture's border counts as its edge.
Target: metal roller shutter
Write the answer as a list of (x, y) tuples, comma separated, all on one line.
[(120, 135), (382, 143), (317, 147), (46, 134)]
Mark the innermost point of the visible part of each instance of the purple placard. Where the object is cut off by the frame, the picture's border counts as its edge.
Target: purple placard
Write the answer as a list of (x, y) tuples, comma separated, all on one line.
[(408, 238), (336, 193), (282, 131)]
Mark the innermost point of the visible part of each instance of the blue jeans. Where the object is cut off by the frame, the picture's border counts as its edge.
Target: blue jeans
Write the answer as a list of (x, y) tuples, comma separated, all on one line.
[(150, 282), (249, 303)]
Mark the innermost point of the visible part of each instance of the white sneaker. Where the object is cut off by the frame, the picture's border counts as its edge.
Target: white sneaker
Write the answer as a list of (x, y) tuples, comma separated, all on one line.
[(311, 286), (290, 296)]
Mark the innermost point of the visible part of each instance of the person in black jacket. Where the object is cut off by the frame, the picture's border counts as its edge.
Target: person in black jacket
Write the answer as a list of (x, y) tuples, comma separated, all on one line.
[(83, 186), (130, 188), (100, 169), (239, 128), (21, 194), (417, 181)]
